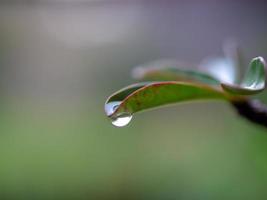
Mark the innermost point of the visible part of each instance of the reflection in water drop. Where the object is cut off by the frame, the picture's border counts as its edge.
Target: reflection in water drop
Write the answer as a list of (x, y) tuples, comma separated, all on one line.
[(121, 120), (111, 107)]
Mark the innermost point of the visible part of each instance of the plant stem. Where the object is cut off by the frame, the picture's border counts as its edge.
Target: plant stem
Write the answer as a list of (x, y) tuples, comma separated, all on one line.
[(253, 110)]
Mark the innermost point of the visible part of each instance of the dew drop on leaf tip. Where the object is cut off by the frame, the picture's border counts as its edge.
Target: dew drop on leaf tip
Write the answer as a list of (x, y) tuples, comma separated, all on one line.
[(121, 119)]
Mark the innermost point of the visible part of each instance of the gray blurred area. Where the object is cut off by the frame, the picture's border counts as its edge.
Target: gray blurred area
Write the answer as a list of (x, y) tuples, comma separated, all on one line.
[(67, 48), (59, 60)]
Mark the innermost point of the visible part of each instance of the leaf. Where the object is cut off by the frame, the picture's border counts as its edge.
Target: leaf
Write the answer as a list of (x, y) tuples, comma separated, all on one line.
[(254, 81), (120, 95), (151, 95), (165, 70), (196, 86)]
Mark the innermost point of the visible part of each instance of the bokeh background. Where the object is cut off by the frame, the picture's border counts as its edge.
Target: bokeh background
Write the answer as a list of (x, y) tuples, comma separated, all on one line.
[(60, 59)]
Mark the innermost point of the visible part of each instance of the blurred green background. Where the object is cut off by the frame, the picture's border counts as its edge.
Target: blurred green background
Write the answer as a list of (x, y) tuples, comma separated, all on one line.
[(59, 60)]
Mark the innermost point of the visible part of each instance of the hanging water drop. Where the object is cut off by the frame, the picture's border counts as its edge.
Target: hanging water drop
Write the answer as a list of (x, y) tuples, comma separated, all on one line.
[(121, 120)]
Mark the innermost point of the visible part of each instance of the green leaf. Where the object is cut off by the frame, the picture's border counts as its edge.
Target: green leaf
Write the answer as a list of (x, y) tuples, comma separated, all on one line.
[(195, 86), (120, 95), (168, 71), (145, 96), (254, 81)]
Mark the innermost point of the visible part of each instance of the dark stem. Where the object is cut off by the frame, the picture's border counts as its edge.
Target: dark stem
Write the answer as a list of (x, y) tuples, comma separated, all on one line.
[(252, 110)]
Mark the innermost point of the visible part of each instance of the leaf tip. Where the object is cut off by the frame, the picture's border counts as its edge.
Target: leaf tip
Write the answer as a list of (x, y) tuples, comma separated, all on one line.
[(259, 58)]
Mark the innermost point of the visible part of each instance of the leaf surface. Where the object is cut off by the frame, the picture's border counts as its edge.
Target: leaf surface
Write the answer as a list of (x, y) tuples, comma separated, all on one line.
[(194, 86), (157, 94)]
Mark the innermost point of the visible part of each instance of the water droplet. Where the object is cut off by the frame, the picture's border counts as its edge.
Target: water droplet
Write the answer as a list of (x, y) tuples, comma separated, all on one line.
[(111, 107), (121, 120)]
